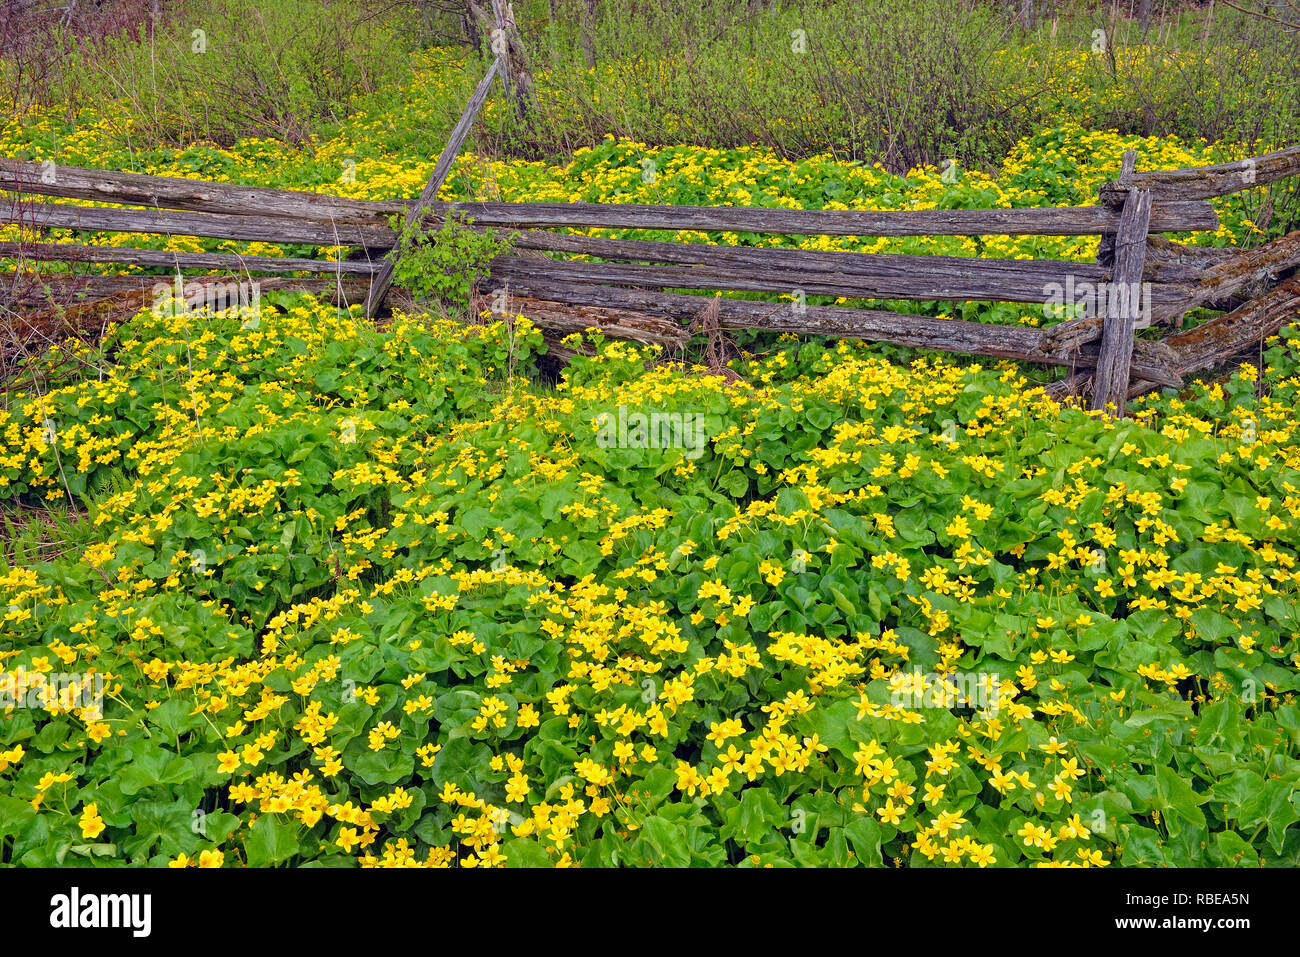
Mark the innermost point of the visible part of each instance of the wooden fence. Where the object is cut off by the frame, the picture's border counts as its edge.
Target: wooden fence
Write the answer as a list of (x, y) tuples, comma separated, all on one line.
[(634, 288)]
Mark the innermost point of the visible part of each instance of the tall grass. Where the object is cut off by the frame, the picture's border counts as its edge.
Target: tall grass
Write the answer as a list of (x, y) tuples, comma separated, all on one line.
[(900, 82), (220, 70), (1226, 76)]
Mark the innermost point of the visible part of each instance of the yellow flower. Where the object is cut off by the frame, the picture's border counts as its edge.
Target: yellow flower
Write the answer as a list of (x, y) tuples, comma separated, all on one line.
[(91, 823), (891, 813)]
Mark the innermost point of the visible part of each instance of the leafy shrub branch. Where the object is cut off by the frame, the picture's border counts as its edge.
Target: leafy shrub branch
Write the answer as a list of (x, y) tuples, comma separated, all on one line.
[(447, 263)]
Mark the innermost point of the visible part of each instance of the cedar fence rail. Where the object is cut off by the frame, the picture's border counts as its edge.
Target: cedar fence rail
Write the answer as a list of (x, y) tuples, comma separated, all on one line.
[(628, 290)]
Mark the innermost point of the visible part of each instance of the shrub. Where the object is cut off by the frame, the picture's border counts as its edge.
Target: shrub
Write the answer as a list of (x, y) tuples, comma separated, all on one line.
[(444, 264), (225, 69)]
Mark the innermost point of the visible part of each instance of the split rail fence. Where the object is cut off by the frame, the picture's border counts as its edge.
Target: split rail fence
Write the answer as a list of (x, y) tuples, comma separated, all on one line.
[(643, 290)]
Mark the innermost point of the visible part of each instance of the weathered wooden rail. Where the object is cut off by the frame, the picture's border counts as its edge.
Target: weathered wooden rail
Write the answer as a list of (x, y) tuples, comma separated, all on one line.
[(262, 203), (636, 288)]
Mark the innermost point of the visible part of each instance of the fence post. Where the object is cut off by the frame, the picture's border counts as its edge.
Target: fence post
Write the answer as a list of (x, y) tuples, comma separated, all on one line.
[(508, 49), (1110, 383)]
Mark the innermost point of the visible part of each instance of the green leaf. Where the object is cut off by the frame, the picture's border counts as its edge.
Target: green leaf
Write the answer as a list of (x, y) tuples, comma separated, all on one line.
[(156, 823), (525, 852), (1234, 851), (1174, 794), (756, 815), (15, 813), (270, 842), (864, 834), (662, 844)]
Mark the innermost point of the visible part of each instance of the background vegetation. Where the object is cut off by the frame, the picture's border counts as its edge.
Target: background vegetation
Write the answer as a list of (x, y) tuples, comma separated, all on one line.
[(901, 82)]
